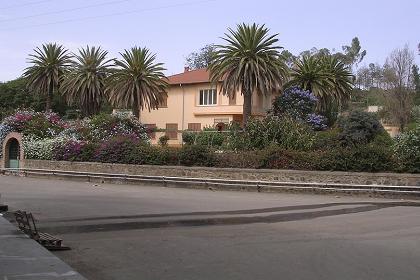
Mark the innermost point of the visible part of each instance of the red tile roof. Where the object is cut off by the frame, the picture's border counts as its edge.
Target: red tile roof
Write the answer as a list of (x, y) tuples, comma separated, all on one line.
[(190, 77)]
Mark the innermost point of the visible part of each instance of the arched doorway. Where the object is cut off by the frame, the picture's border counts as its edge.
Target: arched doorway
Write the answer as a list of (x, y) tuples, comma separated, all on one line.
[(13, 153)]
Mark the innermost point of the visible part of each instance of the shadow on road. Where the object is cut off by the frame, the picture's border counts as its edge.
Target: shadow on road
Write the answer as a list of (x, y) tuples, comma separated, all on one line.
[(192, 219)]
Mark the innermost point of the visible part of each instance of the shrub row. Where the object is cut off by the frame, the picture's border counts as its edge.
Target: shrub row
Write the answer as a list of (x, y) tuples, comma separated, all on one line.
[(368, 158)]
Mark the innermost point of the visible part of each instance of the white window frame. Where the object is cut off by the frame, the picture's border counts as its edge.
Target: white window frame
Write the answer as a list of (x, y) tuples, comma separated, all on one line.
[(208, 97)]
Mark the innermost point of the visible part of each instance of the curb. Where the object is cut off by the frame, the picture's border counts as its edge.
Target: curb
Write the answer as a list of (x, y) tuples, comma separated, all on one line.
[(222, 184)]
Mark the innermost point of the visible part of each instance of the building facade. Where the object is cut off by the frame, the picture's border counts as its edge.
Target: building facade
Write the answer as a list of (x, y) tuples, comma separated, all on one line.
[(194, 103)]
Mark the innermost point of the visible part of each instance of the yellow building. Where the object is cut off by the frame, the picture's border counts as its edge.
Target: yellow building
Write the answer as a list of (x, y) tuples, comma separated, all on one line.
[(194, 103)]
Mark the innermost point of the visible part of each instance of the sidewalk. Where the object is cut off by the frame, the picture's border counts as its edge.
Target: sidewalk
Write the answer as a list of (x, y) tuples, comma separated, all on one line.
[(23, 258)]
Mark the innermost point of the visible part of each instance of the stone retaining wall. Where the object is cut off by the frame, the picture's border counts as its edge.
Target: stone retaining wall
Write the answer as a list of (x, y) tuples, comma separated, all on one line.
[(395, 179)]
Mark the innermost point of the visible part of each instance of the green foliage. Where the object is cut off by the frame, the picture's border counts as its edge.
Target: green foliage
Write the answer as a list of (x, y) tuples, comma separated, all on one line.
[(137, 81), (47, 66), (85, 82), (277, 158), (259, 134), (250, 60), (407, 150), (208, 137), (188, 137), (202, 58), (163, 140), (361, 158), (359, 127), (196, 155), (327, 77)]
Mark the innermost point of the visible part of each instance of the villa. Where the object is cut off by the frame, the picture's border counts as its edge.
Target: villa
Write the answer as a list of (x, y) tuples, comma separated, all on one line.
[(194, 103)]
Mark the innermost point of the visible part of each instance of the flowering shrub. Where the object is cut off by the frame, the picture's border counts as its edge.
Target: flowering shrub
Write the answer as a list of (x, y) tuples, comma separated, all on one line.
[(300, 105), (317, 122), (43, 125), (104, 126), (295, 102), (74, 150), (116, 150), (407, 150), (38, 148)]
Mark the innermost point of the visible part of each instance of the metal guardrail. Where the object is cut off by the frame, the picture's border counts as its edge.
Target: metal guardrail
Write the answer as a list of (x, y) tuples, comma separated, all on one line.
[(228, 184)]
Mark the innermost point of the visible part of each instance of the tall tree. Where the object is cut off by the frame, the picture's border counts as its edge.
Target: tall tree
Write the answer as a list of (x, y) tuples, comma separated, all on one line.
[(249, 62), (353, 53), (399, 81), (48, 65), (327, 77), (416, 82), (202, 58), (137, 81), (85, 83)]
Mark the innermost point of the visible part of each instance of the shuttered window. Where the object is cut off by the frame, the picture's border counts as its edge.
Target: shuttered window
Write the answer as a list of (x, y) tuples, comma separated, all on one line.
[(151, 130), (194, 126), (172, 130)]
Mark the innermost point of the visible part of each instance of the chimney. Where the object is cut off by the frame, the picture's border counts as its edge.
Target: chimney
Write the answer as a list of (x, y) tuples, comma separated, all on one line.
[(186, 69)]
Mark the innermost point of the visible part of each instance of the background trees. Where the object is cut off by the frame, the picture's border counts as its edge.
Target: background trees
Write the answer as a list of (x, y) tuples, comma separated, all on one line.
[(249, 62), (201, 58), (48, 65)]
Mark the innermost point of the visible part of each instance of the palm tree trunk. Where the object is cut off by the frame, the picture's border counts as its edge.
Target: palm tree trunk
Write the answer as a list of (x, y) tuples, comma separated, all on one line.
[(49, 98), (246, 108), (134, 107)]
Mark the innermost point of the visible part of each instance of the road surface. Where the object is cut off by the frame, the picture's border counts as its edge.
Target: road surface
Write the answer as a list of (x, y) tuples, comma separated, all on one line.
[(132, 232)]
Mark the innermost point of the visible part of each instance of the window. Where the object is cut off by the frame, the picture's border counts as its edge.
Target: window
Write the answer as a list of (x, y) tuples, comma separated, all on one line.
[(216, 121), (208, 97), (194, 126), (151, 130), (172, 130)]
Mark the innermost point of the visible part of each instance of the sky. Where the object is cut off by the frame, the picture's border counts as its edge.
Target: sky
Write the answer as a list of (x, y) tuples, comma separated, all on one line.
[(174, 28)]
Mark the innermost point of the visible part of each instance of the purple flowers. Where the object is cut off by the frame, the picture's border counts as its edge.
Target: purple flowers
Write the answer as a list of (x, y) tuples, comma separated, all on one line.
[(317, 122), (300, 105)]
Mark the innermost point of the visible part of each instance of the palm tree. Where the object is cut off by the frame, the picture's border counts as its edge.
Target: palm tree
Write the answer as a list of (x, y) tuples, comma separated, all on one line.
[(250, 62), (85, 83), (137, 81), (47, 67), (326, 77)]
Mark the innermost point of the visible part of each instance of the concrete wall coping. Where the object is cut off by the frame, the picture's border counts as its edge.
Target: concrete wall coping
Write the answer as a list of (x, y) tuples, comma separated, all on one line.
[(242, 170)]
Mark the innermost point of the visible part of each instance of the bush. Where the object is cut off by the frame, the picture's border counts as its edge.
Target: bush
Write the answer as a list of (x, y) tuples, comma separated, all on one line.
[(359, 128), (283, 132), (40, 125), (74, 150), (196, 155), (275, 158), (295, 102), (38, 148), (163, 140), (407, 150), (105, 126), (360, 158), (116, 150), (230, 159), (210, 137), (188, 137)]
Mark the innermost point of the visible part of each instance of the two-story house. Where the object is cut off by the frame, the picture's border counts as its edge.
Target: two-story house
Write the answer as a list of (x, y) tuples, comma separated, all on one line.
[(194, 103)]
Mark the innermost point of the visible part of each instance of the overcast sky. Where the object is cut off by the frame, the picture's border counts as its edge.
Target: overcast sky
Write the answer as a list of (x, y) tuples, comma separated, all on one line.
[(174, 28)]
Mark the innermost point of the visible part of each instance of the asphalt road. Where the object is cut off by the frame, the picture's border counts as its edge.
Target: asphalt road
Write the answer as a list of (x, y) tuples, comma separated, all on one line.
[(131, 232)]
